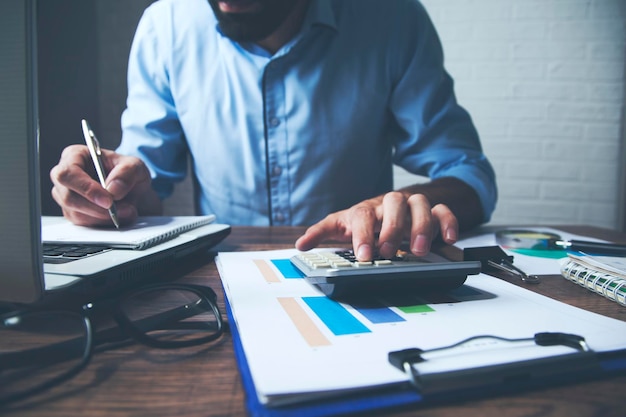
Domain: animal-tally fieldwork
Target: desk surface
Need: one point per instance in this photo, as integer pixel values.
(137, 380)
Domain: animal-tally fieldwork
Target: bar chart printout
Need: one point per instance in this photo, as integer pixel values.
(337, 317)
(275, 311)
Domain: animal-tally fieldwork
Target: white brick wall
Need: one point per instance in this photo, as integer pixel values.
(544, 83)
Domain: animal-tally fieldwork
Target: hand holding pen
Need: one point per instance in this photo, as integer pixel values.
(128, 184)
(96, 156)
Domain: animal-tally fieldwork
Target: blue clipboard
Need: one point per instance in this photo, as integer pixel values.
(404, 395)
(376, 399)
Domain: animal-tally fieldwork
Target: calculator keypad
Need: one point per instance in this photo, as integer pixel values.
(341, 259)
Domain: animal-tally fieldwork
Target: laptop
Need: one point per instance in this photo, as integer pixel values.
(24, 277)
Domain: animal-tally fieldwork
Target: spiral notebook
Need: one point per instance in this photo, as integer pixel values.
(604, 275)
(145, 233)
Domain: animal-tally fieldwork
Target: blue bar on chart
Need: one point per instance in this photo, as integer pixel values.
(335, 316)
(377, 312)
(287, 269)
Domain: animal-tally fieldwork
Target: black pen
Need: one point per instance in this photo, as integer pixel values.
(96, 156)
(598, 248)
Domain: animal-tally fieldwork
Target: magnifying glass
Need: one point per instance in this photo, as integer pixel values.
(547, 241)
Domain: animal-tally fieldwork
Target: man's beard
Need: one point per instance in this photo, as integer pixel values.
(253, 26)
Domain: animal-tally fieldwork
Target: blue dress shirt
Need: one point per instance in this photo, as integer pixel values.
(286, 139)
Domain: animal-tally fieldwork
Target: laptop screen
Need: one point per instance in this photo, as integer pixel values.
(21, 274)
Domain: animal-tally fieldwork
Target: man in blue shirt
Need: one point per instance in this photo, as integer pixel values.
(293, 112)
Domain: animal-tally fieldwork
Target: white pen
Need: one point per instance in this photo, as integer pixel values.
(96, 156)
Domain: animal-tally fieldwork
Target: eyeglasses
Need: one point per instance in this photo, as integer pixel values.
(42, 348)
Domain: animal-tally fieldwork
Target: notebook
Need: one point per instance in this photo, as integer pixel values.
(24, 278)
(158, 250)
(604, 275)
(144, 233)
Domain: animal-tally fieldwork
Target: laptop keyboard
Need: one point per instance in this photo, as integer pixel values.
(58, 254)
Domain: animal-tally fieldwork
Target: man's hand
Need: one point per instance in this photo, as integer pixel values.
(85, 202)
(419, 213)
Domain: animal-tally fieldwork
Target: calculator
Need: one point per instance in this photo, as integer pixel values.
(338, 274)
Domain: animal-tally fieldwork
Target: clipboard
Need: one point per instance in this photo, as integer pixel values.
(508, 377)
(393, 397)
(251, 300)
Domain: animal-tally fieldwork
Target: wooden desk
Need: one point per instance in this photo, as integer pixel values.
(137, 380)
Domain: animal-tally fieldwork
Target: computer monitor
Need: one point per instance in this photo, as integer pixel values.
(21, 272)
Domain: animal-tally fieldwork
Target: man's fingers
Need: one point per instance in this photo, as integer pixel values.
(421, 224)
(358, 224)
(326, 229)
(363, 224)
(72, 182)
(83, 199)
(393, 224)
(126, 175)
(72, 202)
(388, 216)
(448, 223)
(313, 236)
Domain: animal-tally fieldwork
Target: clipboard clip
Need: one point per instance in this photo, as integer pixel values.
(493, 257)
(524, 372)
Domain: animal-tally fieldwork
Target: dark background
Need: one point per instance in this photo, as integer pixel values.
(83, 50)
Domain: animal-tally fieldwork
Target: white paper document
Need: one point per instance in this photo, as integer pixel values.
(301, 345)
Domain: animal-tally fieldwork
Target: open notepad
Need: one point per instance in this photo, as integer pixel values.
(145, 233)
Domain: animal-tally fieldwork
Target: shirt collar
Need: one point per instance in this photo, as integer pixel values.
(320, 13)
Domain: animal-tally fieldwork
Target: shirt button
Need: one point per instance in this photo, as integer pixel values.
(277, 171)
(279, 217)
(274, 121)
